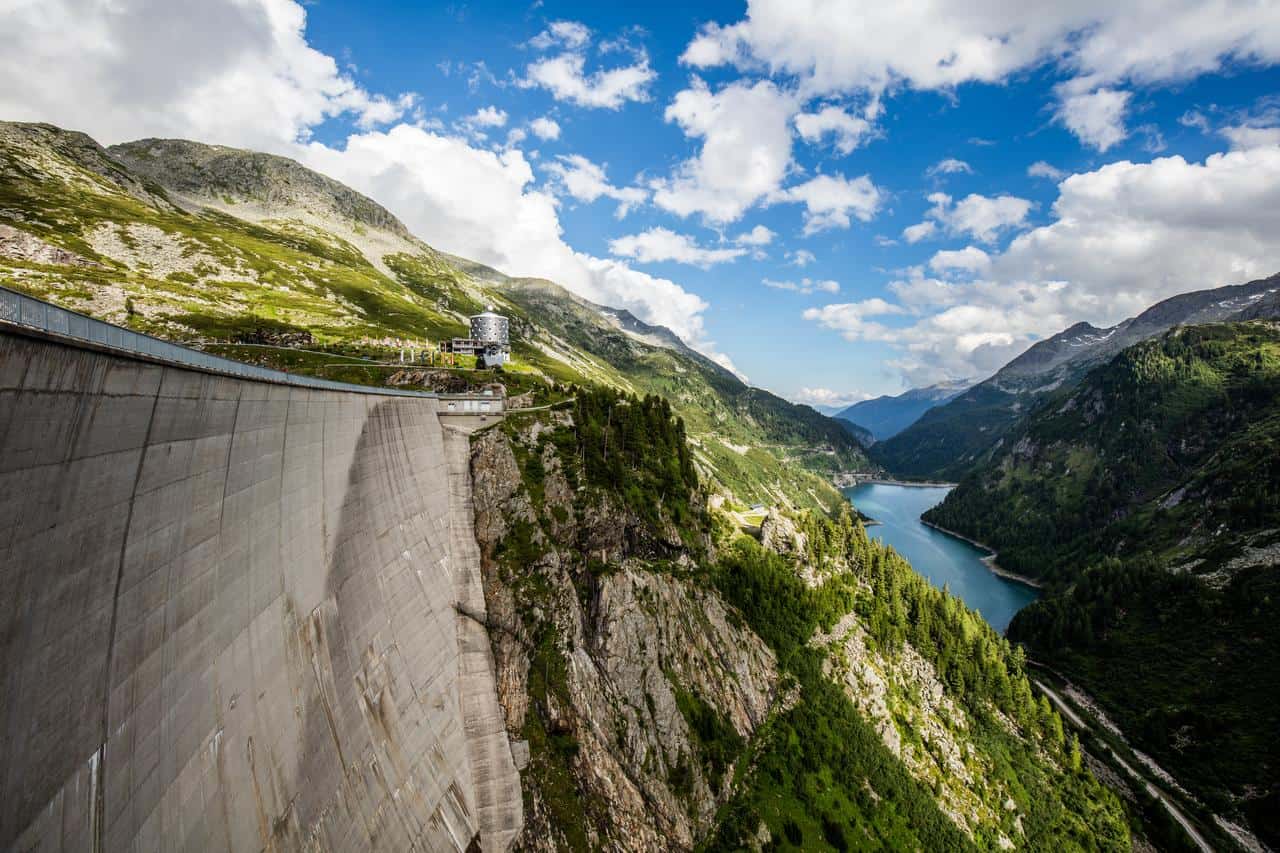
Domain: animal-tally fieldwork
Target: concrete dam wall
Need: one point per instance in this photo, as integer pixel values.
(237, 615)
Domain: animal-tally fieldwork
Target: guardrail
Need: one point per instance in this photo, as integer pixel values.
(21, 310)
(471, 404)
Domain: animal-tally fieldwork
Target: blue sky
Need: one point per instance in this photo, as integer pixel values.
(837, 198)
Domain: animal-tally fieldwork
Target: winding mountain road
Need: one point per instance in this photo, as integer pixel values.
(1175, 812)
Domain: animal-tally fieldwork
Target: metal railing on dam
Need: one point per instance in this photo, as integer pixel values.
(18, 309)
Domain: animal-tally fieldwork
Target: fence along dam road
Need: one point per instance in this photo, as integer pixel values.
(232, 610)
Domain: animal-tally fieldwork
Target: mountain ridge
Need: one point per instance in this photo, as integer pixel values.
(651, 652)
(889, 414)
(1147, 498)
(948, 440)
(209, 175)
(220, 245)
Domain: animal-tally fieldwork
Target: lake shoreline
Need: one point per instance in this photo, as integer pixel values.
(879, 481)
(990, 560)
(947, 561)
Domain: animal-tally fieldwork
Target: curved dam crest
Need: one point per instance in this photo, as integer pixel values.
(233, 616)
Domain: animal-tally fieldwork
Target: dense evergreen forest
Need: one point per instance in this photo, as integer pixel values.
(1149, 499)
(636, 447)
(812, 781)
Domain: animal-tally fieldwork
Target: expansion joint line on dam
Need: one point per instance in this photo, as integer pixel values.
(97, 829)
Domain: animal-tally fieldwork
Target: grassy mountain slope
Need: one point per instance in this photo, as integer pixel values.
(197, 242)
(1148, 498)
(951, 439)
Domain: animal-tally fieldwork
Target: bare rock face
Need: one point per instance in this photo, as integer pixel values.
(778, 533)
(27, 247)
(197, 170)
(602, 654)
(495, 480)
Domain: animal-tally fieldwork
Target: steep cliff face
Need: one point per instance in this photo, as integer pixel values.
(670, 683)
(633, 687)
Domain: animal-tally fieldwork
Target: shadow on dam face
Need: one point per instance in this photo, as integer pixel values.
(231, 623)
(394, 755)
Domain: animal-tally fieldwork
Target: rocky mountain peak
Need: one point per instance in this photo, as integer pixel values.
(217, 176)
(41, 145)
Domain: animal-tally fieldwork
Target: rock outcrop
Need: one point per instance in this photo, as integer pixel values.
(616, 668)
(778, 533)
(21, 246)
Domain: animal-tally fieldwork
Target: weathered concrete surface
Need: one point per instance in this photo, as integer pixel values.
(495, 780)
(229, 618)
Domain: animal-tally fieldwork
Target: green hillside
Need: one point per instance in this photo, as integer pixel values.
(203, 243)
(959, 435)
(1148, 498)
(902, 720)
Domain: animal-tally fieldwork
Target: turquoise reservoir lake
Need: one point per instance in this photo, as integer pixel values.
(940, 557)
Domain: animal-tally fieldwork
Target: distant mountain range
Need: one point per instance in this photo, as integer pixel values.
(949, 439)
(886, 416)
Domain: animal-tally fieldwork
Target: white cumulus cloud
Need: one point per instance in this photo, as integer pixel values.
(238, 73)
(1097, 118)
(571, 34)
(970, 259)
(545, 128)
(1120, 239)
(758, 236)
(919, 231)
(847, 131)
(838, 47)
(586, 181)
(1041, 169)
(979, 216)
(1251, 136)
(851, 318)
(950, 166)
(565, 74)
(663, 244)
(745, 153)
(488, 117)
(831, 201)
